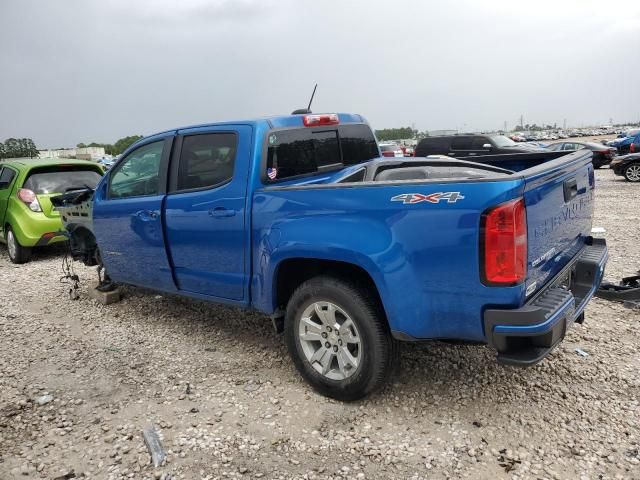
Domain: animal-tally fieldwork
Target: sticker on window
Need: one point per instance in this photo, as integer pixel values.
(272, 173)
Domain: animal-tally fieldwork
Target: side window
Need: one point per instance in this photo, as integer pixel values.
(206, 160)
(461, 143)
(478, 143)
(6, 177)
(138, 174)
(570, 146)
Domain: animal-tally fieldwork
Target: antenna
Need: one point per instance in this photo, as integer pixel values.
(312, 95)
(302, 111)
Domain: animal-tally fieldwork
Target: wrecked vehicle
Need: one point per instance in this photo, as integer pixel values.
(298, 217)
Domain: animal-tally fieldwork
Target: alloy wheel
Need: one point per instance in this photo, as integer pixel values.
(11, 244)
(633, 173)
(330, 340)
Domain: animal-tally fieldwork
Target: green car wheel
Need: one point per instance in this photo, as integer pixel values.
(17, 253)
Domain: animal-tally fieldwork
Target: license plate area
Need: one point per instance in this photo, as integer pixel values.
(565, 280)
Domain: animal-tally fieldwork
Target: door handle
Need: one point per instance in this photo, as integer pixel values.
(221, 212)
(147, 214)
(570, 189)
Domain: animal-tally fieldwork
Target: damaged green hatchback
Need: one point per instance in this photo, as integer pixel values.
(27, 217)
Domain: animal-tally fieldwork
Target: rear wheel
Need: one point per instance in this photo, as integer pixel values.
(338, 338)
(632, 172)
(17, 253)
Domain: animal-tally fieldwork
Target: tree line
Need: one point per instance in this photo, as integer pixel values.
(116, 148)
(18, 148)
(396, 133)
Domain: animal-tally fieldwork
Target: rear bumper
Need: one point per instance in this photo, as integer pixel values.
(36, 230)
(526, 335)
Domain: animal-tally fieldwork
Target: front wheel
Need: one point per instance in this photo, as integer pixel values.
(17, 253)
(338, 338)
(632, 172)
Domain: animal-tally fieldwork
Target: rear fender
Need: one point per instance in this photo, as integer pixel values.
(268, 293)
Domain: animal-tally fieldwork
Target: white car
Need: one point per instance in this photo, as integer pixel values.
(391, 150)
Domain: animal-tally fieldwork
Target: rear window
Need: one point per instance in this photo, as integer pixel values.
(55, 180)
(389, 148)
(304, 151)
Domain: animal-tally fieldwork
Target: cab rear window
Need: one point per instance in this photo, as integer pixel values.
(60, 180)
(303, 151)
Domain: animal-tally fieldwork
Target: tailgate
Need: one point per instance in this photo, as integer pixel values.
(559, 201)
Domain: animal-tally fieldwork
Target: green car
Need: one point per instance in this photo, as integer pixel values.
(26, 186)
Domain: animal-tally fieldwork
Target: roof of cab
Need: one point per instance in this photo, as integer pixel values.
(276, 121)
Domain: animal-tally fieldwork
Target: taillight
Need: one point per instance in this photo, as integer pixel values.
(632, 148)
(388, 154)
(503, 246)
(29, 197)
(317, 120)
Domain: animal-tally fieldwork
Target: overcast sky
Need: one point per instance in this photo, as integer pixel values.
(92, 70)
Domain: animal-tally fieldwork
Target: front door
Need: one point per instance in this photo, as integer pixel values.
(127, 213)
(7, 175)
(205, 211)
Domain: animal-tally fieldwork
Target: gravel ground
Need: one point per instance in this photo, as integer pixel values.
(79, 382)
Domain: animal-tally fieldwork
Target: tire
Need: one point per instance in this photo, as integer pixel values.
(17, 253)
(363, 333)
(632, 172)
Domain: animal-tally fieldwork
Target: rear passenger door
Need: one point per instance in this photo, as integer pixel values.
(461, 146)
(478, 146)
(206, 211)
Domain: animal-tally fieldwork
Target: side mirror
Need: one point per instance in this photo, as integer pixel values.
(487, 146)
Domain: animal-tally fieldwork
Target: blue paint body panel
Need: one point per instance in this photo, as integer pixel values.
(424, 258)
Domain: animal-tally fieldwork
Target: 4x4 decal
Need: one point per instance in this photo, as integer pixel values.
(411, 198)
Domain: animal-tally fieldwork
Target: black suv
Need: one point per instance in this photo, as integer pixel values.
(471, 145)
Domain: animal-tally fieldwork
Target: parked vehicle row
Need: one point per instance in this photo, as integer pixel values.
(602, 155)
(627, 166)
(628, 142)
(461, 146)
(300, 217)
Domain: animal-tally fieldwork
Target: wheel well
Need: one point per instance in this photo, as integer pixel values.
(293, 272)
(83, 244)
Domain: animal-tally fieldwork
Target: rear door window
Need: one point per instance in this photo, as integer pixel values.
(61, 179)
(6, 177)
(479, 142)
(461, 143)
(206, 160)
(291, 153)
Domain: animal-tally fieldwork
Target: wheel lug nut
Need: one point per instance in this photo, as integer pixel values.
(328, 329)
(327, 345)
(324, 334)
(339, 342)
(335, 348)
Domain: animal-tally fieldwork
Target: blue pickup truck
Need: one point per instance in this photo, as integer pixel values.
(350, 253)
